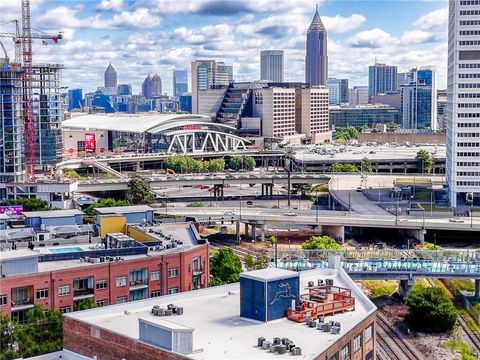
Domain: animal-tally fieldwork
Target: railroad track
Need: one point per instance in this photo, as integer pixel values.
(237, 250)
(395, 346)
(471, 336)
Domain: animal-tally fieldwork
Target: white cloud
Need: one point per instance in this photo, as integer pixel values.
(110, 5)
(420, 37)
(437, 19)
(374, 38)
(340, 24)
(63, 17)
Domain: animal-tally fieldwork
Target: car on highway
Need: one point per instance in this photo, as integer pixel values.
(290, 213)
(230, 213)
(359, 189)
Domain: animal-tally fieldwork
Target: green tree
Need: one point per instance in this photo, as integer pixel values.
(139, 190)
(84, 304)
(71, 173)
(225, 267)
(321, 243)
(42, 333)
(366, 166)
(214, 165)
(424, 161)
(343, 168)
(392, 126)
(257, 262)
(31, 204)
(430, 309)
(242, 163)
(107, 202)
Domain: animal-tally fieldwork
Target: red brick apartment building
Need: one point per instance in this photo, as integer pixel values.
(62, 277)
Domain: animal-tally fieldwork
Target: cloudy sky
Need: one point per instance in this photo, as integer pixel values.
(157, 36)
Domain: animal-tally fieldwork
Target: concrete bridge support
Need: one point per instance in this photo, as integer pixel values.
(335, 231)
(477, 288)
(405, 287)
(218, 191)
(267, 190)
(417, 234)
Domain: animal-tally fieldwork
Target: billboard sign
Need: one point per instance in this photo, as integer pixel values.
(11, 209)
(89, 142)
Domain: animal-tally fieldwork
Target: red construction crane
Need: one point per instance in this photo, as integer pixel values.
(23, 41)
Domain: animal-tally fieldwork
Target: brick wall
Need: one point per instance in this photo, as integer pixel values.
(91, 341)
(110, 271)
(348, 339)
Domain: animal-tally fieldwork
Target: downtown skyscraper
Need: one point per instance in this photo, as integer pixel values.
(316, 60)
(463, 103)
(382, 79)
(271, 65)
(180, 82)
(110, 78)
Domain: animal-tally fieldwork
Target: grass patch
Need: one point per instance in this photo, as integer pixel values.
(463, 284)
(458, 346)
(428, 208)
(381, 288)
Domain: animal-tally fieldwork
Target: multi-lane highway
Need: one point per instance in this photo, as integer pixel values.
(329, 218)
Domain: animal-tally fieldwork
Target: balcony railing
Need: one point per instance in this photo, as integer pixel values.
(21, 302)
(138, 282)
(82, 292)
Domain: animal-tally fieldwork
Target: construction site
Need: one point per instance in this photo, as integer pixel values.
(31, 110)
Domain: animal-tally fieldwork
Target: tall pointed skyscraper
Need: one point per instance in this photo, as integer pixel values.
(110, 77)
(316, 61)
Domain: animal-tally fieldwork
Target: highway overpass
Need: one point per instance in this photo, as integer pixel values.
(162, 181)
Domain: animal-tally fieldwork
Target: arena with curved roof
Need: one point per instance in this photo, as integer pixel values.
(170, 133)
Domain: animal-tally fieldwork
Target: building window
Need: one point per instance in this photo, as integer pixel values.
(345, 353)
(156, 293)
(42, 294)
(121, 281)
(172, 272)
(173, 290)
(333, 357)
(357, 343)
(155, 275)
(101, 284)
(3, 300)
(101, 303)
(65, 309)
(64, 290)
(121, 299)
(368, 333)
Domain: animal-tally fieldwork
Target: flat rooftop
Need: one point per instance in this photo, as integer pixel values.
(124, 209)
(52, 213)
(165, 232)
(384, 152)
(219, 331)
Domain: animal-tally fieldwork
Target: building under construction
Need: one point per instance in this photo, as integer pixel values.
(12, 141)
(48, 114)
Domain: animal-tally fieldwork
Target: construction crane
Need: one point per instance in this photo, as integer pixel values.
(23, 45)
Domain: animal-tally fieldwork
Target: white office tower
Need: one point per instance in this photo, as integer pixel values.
(463, 102)
(271, 65)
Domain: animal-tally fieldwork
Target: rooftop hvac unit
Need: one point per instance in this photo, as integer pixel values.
(296, 351)
(168, 312)
(276, 340)
(273, 348)
(260, 341)
(310, 284)
(285, 341)
(179, 310)
(281, 349)
(320, 282)
(290, 346)
(312, 324)
(266, 345)
(335, 330)
(329, 282)
(327, 327)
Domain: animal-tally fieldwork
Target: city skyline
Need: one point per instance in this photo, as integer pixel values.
(158, 36)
